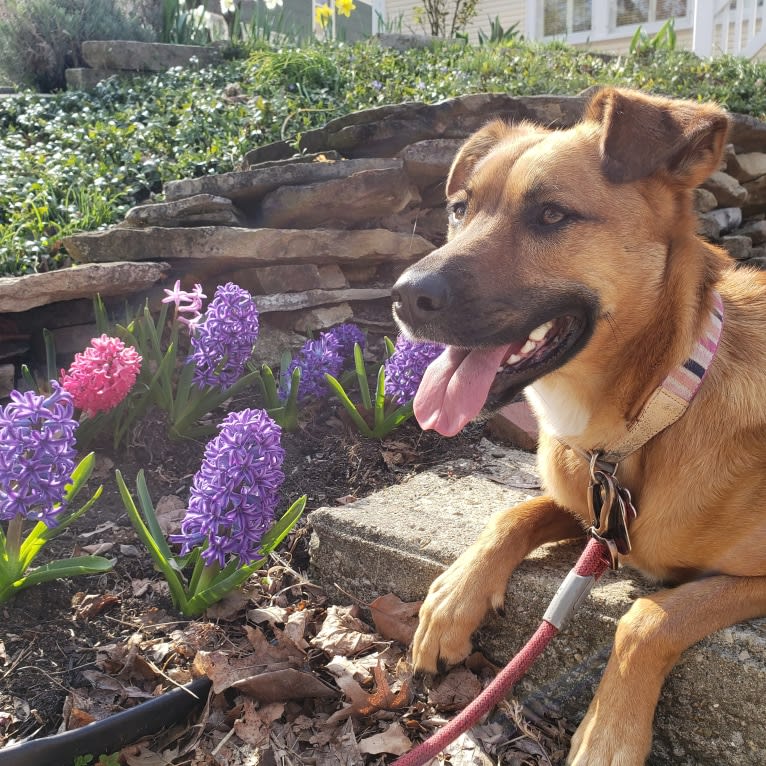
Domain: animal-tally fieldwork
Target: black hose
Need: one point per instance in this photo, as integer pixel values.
(110, 734)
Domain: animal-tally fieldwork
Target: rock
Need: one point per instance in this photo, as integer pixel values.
(331, 277)
(323, 318)
(272, 343)
(430, 224)
(87, 79)
(402, 42)
(755, 230)
(73, 339)
(756, 190)
(429, 161)
(704, 201)
(208, 247)
(144, 57)
(199, 210)
(304, 276)
(310, 298)
(248, 187)
(361, 197)
(385, 130)
(22, 293)
(738, 247)
(725, 218)
(727, 190)
(7, 379)
(748, 134)
(748, 166)
(329, 156)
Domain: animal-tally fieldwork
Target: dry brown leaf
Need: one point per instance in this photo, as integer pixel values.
(89, 605)
(170, 511)
(140, 586)
(97, 549)
(343, 632)
(229, 607)
(223, 669)
(266, 652)
(393, 740)
(273, 615)
(295, 628)
(346, 676)
(109, 683)
(395, 619)
(458, 688)
(254, 725)
(284, 684)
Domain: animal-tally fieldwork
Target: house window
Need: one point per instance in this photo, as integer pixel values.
(562, 17)
(647, 11)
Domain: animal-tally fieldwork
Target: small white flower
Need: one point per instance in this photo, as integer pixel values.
(228, 6)
(272, 4)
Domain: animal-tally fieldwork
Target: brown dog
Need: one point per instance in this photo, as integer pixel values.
(574, 271)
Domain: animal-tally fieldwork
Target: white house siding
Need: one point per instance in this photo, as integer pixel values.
(508, 11)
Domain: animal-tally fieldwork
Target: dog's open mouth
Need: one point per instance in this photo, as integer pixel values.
(463, 381)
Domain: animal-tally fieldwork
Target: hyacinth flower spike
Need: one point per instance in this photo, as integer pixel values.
(230, 526)
(302, 379)
(221, 342)
(38, 483)
(396, 384)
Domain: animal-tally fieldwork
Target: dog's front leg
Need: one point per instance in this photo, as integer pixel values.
(460, 597)
(617, 729)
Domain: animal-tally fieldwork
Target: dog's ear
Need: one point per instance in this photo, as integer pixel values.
(642, 134)
(479, 145)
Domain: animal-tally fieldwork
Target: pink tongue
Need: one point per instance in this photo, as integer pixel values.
(455, 387)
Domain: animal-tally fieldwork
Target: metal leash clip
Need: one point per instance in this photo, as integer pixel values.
(611, 508)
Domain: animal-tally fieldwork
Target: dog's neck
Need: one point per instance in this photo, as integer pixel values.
(592, 421)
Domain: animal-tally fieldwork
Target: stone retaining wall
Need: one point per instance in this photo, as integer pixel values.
(320, 238)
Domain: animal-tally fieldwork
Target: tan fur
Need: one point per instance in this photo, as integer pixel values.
(700, 485)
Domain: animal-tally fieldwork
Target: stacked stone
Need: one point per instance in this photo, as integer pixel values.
(319, 235)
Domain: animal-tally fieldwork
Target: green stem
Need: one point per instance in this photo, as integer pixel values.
(13, 538)
(209, 573)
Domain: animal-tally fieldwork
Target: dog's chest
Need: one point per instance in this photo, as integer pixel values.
(558, 409)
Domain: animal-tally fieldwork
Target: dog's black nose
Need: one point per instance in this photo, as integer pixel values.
(418, 298)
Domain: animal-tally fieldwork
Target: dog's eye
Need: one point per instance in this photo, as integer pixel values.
(457, 211)
(550, 215)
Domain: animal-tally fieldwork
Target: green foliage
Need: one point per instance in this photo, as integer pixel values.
(643, 44)
(499, 35)
(284, 412)
(42, 38)
(78, 161)
(194, 586)
(104, 759)
(182, 25)
(375, 416)
(18, 552)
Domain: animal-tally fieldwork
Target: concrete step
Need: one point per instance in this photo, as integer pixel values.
(711, 711)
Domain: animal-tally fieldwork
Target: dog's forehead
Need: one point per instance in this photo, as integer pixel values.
(559, 158)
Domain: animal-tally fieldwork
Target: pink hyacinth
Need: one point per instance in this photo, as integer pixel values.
(100, 377)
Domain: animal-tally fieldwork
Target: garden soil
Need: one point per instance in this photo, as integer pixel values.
(78, 650)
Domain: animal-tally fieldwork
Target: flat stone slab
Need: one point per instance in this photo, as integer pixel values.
(137, 56)
(399, 539)
(242, 247)
(106, 279)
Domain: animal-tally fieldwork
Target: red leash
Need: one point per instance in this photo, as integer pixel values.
(593, 562)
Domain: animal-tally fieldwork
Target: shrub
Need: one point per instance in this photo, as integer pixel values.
(40, 39)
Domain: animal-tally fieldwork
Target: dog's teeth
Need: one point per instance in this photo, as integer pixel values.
(500, 369)
(513, 358)
(530, 345)
(540, 332)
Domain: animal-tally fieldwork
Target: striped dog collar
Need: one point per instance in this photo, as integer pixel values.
(670, 400)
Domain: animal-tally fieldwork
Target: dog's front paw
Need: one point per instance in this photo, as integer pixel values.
(610, 738)
(454, 608)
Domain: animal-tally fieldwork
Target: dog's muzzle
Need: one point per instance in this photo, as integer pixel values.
(419, 298)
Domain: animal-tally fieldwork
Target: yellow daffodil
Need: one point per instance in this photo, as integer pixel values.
(345, 7)
(322, 15)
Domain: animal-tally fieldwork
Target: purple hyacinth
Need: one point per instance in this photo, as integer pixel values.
(325, 355)
(234, 494)
(223, 340)
(347, 335)
(406, 367)
(37, 454)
